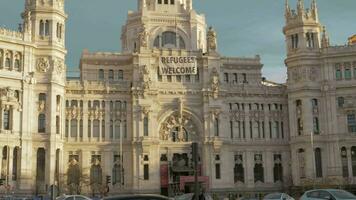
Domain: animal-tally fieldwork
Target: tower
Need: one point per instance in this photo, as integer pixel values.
(302, 29)
(44, 29)
(170, 24)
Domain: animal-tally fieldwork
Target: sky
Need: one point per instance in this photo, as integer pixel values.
(245, 28)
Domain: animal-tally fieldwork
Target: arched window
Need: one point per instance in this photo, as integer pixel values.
(301, 161)
(41, 123)
(124, 129)
(41, 165)
(239, 175)
(15, 163)
(120, 75)
(353, 160)
(278, 169)
(117, 105)
(258, 169)
(111, 74)
(318, 163)
(344, 163)
(169, 39)
(73, 128)
(17, 64)
(116, 171)
(7, 62)
(95, 171)
(340, 102)
(73, 172)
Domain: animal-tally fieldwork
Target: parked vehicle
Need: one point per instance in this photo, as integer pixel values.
(72, 197)
(278, 196)
(137, 197)
(189, 196)
(328, 194)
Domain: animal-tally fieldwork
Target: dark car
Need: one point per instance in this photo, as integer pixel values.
(137, 197)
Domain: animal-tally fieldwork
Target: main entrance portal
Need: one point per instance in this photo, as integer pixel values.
(177, 132)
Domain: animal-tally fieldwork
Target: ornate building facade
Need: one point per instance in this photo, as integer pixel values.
(129, 120)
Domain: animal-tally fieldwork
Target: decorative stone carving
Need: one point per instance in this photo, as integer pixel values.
(7, 94)
(42, 65)
(29, 78)
(143, 37)
(215, 83)
(58, 66)
(145, 77)
(184, 125)
(211, 38)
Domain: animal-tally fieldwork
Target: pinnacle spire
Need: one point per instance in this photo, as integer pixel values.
(300, 6)
(325, 42)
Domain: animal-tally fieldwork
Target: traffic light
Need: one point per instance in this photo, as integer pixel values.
(2, 182)
(108, 180)
(195, 152)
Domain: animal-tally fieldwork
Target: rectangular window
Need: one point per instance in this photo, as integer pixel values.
(159, 1)
(244, 77)
(67, 128)
(235, 78)
(310, 40)
(165, 1)
(270, 129)
(226, 77)
(120, 75)
(216, 127)
(351, 123)
(239, 128)
(231, 129)
(295, 41)
(340, 102)
(146, 171)
(197, 76)
(187, 78)
(42, 97)
(217, 171)
(89, 128)
(251, 130)
(282, 130)
(354, 72)
(263, 129)
(101, 74)
(243, 129)
(300, 126)
(316, 125)
(169, 78)
(276, 126)
(111, 74)
(172, 2)
(348, 74)
(57, 124)
(145, 126)
(6, 119)
(179, 78)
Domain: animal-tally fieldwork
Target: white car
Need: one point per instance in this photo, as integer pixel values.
(278, 196)
(72, 197)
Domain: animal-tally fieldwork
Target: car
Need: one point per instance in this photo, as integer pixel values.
(137, 197)
(328, 194)
(278, 196)
(189, 196)
(73, 197)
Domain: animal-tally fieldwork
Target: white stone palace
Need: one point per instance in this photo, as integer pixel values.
(133, 115)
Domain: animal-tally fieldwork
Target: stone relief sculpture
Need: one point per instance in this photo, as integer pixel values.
(212, 39)
(58, 66)
(181, 124)
(143, 37)
(215, 83)
(42, 65)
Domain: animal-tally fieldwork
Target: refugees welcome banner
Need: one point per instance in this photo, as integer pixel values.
(178, 65)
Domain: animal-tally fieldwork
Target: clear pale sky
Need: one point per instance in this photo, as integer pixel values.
(245, 27)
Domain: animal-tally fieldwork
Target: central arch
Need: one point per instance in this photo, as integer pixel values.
(180, 127)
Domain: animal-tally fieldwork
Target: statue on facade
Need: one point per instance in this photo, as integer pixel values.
(215, 83)
(143, 37)
(212, 39)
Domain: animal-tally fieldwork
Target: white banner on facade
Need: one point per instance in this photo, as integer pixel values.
(176, 65)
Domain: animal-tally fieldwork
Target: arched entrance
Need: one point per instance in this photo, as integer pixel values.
(178, 130)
